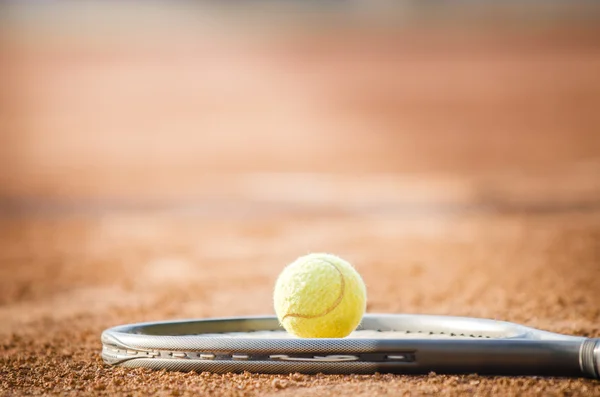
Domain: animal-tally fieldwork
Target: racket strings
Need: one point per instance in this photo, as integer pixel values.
(359, 334)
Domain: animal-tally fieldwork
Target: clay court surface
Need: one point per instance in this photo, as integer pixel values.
(144, 179)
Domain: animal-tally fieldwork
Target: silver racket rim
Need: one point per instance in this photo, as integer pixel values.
(442, 343)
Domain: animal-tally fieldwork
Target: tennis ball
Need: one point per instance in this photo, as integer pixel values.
(320, 296)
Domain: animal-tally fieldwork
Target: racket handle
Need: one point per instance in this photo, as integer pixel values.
(589, 357)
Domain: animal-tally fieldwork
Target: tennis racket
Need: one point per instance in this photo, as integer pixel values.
(405, 344)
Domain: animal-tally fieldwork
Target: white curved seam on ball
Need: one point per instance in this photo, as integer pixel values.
(335, 304)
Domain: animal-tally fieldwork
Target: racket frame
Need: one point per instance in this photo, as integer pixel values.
(441, 344)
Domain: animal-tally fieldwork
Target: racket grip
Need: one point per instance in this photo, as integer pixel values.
(589, 357)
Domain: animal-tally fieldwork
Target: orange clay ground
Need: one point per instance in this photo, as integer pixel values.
(138, 183)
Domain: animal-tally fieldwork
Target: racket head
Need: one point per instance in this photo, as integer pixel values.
(382, 343)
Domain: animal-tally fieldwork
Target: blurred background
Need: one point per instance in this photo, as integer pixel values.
(190, 104)
(445, 150)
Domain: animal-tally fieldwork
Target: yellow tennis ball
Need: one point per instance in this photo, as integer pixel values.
(320, 296)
